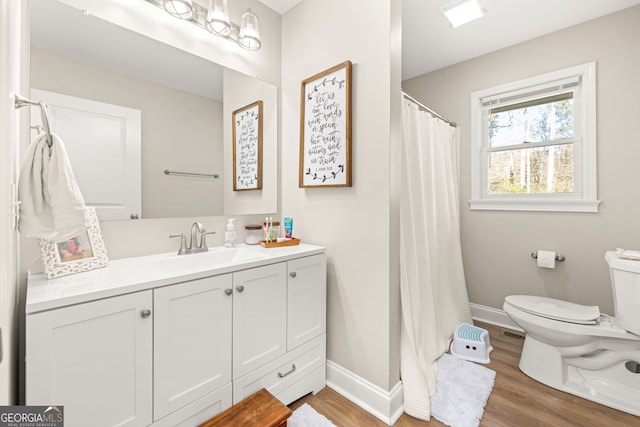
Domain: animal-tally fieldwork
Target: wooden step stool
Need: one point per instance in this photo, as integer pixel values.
(261, 409)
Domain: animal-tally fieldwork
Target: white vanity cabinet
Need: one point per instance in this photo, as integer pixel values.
(302, 367)
(95, 359)
(179, 348)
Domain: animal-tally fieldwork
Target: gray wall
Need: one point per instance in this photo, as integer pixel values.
(497, 245)
(356, 223)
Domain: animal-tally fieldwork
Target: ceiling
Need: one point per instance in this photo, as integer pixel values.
(430, 43)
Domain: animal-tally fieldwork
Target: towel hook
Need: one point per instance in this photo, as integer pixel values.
(21, 101)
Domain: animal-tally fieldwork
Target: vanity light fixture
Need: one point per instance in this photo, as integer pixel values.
(216, 20)
(461, 12)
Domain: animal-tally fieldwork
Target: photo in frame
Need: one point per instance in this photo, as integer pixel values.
(81, 252)
(247, 147)
(325, 128)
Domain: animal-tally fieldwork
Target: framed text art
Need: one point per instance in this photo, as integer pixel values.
(325, 128)
(247, 147)
(83, 251)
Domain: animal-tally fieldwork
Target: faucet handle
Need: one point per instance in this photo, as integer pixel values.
(203, 239)
(183, 243)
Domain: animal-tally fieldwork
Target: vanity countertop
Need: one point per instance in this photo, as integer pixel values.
(146, 272)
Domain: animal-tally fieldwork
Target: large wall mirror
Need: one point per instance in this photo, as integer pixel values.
(183, 103)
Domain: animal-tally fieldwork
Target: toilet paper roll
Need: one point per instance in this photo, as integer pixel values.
(546, 259)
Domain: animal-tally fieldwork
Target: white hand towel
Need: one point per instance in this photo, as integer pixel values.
(51, 205)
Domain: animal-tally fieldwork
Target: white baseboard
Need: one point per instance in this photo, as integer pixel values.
(493, 316)
(384, 405)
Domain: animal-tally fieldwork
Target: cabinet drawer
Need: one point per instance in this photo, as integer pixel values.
(279, 374)
(199, 411)
(312, 382)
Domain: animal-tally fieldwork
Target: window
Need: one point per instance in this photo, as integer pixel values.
(533, 143)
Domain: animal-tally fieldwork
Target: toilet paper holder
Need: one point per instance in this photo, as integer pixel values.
(559, 257)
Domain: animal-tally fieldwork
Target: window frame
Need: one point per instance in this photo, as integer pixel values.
(584, 196)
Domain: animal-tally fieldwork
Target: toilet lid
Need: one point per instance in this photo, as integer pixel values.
(556, 309)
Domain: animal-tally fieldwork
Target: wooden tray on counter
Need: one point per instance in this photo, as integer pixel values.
(291, 242)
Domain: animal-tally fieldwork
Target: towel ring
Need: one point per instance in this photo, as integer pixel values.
(21, 101)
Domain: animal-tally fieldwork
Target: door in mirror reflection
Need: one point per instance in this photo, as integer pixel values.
(103, 144)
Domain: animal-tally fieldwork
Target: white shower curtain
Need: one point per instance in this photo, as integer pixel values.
(433, 288)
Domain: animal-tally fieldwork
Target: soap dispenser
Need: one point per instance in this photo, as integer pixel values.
(230, 234)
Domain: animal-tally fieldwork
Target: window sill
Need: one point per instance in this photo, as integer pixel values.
(539, 205)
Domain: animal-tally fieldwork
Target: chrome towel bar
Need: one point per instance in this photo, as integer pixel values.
(204, 175)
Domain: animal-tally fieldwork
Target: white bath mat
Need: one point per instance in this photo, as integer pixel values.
(462, 391)
(306, 416)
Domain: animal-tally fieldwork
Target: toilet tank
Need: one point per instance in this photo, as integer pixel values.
(625, 281)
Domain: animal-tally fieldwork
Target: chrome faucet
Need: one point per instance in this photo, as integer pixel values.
(196, 228)
(196, 243)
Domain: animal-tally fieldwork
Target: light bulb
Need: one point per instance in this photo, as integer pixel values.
(249, 37)
(218, 18)
(182, 9)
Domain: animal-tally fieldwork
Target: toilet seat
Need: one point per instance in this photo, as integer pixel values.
(555, 309)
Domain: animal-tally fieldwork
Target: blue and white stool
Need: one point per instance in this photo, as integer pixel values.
(471, 343)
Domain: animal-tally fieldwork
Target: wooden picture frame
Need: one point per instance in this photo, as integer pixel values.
(247, 147)
(84, 251)
(325, 128)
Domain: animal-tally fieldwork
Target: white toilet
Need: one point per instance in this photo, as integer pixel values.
(576, 349)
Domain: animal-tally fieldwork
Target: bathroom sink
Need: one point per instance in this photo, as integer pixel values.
(215, 257)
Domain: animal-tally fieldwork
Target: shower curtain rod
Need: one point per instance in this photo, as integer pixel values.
(429, 110)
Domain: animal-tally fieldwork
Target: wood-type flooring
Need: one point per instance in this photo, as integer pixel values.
(516, 399)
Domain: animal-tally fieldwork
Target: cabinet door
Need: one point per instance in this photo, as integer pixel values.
(306, 299)
(259, 317)
(192, 341)
(95, 359)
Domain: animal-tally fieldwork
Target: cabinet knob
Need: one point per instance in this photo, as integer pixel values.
(228, 291)
(293, 274)
(240, 288)
(145, 313)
